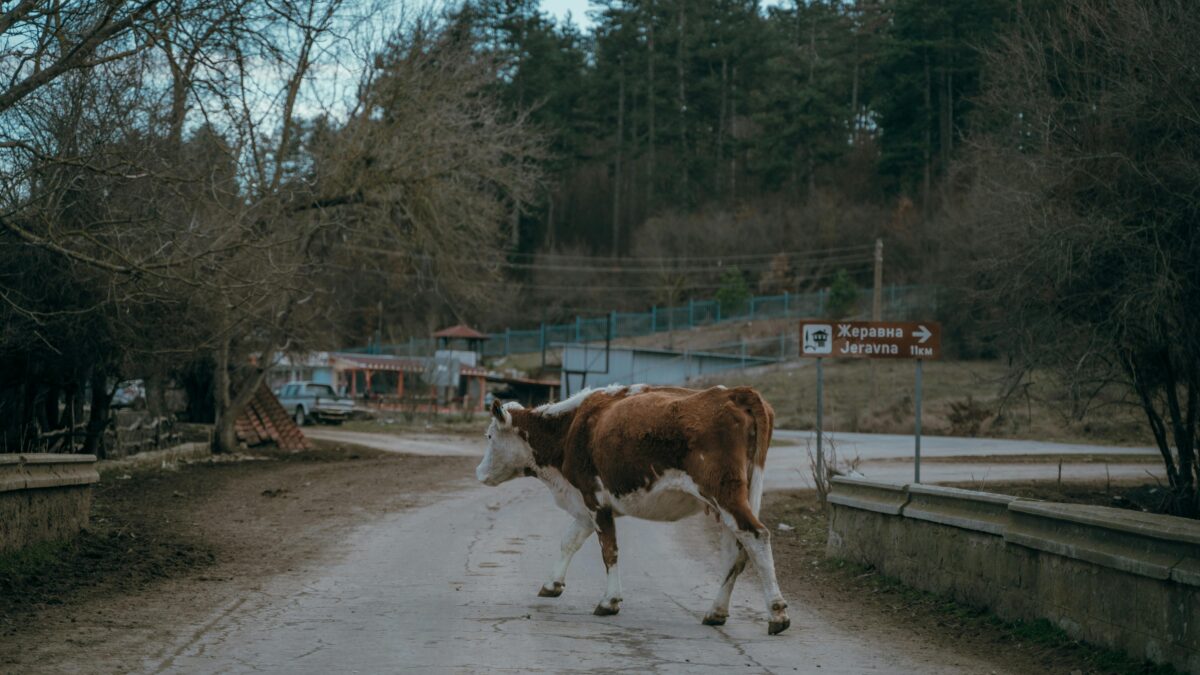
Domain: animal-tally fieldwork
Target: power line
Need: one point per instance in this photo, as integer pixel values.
(614, 267)
(636, 259)
(561, 287)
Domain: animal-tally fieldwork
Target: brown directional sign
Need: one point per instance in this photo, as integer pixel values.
(824, 338)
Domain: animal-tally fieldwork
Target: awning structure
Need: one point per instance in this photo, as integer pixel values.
(344, 361)
(460, 332)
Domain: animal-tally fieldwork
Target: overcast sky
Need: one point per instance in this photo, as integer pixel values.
(560, 8)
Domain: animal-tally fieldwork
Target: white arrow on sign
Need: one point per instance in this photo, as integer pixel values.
(923, 333)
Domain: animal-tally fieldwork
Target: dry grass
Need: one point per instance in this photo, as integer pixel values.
(961, 398)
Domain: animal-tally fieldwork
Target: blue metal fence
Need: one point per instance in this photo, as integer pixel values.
(899, 303)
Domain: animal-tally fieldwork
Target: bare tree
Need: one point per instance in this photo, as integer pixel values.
(206, 216)
(1085, 209)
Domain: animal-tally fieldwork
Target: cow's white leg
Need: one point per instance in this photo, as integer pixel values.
(757, 543)
(756, 539)
(607, 532)
(574, 537)
(733, 561)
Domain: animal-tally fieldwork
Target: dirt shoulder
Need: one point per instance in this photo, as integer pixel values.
(859, 598)
(168, 546)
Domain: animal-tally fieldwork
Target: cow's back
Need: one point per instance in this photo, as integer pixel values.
(630, 441)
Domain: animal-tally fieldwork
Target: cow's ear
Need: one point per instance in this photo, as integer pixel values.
(502, 416)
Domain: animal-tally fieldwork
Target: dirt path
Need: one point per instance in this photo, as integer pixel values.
(203, 539)
(377, 562)
(452, 587)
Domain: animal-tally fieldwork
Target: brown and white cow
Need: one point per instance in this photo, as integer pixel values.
(659, 453)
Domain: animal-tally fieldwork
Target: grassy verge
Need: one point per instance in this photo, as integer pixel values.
(960, 398)
(805, 572)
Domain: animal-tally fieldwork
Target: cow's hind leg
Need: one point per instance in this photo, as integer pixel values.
(607, 532)
(755, 538)
(733, 561)
(572, 539)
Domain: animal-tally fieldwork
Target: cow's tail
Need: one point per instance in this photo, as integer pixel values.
(764, 422)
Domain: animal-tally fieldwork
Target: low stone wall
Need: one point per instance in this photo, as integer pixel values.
(160, 458)
(44, 497)
(1121, 579)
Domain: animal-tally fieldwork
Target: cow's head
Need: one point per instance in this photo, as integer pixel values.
(508, 455)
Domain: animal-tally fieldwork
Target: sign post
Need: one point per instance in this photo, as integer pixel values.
(917, 428)
(820, 418)
(821, 338)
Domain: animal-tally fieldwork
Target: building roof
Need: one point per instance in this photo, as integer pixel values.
(462, 331)
(509, 379)
(394, 363)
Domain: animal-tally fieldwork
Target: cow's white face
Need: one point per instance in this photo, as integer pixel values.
(508, 454)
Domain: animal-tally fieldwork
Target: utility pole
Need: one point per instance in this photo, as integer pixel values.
(877, 308)
(877, 305)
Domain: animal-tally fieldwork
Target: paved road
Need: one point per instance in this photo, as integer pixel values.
(451, 588)
(882, 457)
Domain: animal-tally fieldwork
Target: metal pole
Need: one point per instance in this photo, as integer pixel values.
(877, 298)
(821, 419)
(917, 454)
(542, 339)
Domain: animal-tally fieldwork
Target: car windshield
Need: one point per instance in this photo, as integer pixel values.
(321, 390)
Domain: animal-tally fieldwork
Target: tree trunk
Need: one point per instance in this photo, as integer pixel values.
(854, 92)
(650, 104)
(616, 214)
(733, 137)
(93, 440)
(928, 178)
(721, 124)
(683, 126)
(224, 431)
(229, 404)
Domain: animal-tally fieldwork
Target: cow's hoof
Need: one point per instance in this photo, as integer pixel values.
(777, 627)
(554, 592)
(714, 619)
(604, 610)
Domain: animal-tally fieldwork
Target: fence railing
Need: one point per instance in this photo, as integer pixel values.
(899, 303)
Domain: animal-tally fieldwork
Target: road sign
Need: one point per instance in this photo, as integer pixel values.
(870, 339)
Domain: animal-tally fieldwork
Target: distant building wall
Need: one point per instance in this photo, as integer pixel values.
(587, 366)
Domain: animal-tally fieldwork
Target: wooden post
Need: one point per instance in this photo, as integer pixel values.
(482, 391)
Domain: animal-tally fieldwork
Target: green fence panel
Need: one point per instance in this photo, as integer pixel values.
(899, 303)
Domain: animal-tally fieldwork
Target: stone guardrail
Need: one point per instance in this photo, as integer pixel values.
(1122, 579)
(44, 497)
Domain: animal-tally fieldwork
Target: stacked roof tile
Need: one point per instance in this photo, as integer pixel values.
(265, 421)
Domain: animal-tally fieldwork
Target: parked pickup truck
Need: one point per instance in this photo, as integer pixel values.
(311, 402)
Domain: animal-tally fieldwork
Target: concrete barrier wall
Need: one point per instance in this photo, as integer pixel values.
(44, 497)
(1121, 579)
(160, 458)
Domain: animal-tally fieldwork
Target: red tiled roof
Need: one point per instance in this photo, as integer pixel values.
(265, 421)
(462, 331)
(394, 363)
(523, 380)
(379, 362)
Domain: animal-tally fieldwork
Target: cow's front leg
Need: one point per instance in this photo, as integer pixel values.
(606, 530)
(574, 536)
